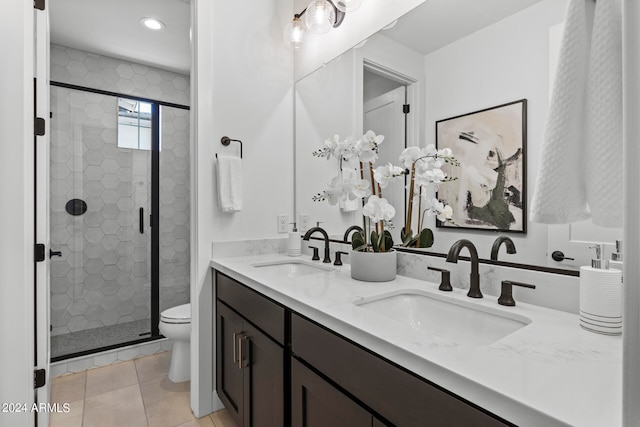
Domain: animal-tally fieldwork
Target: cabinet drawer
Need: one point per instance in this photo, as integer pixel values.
(265, 314)
(400, 397)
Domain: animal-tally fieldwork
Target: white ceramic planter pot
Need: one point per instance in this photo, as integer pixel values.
(373, 266)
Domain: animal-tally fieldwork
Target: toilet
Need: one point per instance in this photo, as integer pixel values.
(175, 324)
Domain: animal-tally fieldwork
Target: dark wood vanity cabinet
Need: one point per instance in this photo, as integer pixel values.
(316, 402)
(395, 395)
(276, 368)
(250, 357)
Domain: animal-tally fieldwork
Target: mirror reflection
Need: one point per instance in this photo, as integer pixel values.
(489, 58)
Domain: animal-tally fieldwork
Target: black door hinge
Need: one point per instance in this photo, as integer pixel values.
(38, 4)
(38, 126)
(39, 252)
(406, 108)
(39, 378)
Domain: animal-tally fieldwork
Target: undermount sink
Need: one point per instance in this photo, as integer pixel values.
(294, 267)
(459, 321)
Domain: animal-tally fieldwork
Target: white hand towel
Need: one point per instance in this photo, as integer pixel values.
(604, 117)
(230, 183)
(580, 176)
(560, 193)
(353, 204)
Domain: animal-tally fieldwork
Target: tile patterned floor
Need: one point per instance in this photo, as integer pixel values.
(134, 393)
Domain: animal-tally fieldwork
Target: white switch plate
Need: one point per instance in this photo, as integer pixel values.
(283, 223)
(303, 223)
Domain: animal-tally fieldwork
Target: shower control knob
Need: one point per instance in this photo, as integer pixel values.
(559, 256)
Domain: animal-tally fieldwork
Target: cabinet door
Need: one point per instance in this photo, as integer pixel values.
(229, 376)
(263, 362)
(316, 403)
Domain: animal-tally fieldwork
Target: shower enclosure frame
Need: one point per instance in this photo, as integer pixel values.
(154, 216)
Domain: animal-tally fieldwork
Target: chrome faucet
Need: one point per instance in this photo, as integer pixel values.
(511, 248)
(452, 256)
(349, 230)
(326, 241)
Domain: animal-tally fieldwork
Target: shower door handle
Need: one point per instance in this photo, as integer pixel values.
(141, 220)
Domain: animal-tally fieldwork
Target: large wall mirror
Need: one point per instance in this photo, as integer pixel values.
(444, 59)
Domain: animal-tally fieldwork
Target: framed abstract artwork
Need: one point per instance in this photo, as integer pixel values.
(490, 190)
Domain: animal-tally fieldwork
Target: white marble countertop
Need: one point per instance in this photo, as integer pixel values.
(549, 373)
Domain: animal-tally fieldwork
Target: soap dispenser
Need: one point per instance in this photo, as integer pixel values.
(616, 257)
(294, 244)
(601, 296)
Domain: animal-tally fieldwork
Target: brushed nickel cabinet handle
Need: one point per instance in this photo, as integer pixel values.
(241, 363)
(235, 346)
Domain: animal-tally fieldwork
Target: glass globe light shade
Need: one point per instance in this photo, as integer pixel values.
(348, 5)
(320, 16)
(294, 34)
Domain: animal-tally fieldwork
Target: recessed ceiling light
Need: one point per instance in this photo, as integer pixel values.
(152, 24)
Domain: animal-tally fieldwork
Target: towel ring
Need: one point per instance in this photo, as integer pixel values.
(225, 140)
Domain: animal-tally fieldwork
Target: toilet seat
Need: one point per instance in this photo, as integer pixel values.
(179, 314)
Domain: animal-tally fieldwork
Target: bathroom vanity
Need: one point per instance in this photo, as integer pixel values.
(298, 343)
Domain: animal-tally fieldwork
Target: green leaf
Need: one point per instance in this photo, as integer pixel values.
(357, 240)
(425, 239)
(360, 248)
(388, 240)
(407, 239)
(374, 241)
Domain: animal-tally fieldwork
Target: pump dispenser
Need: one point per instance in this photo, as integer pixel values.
(616, 257)
(599, 262)
(294, 244)
(601, 296)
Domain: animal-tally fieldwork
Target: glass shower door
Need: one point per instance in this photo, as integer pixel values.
(100, 204)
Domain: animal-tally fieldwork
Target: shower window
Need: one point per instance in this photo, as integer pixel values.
(134, 124)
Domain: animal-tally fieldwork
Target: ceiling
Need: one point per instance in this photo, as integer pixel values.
(437, 23)
(112, 28)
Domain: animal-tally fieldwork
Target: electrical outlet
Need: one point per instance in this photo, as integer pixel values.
(303, 222)
(283, 223)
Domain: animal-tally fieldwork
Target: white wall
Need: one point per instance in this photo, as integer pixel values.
(319, 49)
(16, 216)
(244, 78)
(504, 62)
(631, 155)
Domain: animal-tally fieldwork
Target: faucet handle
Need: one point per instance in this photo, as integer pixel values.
(506, 298)
(338, 260)
(445, 279)
(316, 256)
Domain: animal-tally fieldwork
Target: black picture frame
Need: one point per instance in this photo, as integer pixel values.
(490, 192)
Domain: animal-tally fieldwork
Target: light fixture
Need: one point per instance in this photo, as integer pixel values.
(348, 5)
(152, 23)
(319, 17)
(294, 33)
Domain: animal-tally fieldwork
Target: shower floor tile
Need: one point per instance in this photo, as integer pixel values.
(90, 339)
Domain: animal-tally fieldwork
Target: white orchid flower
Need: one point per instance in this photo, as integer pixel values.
(367, 148)
(445, 152)
(335, 191)
(434, 175)
(358, 188)
(332, 143)
(440, 210)
(378, 209)
(383, 175)
(372, 139)
(409, 155)
(446, 214)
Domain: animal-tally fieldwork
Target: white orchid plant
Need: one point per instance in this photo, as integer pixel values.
(423, 165)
